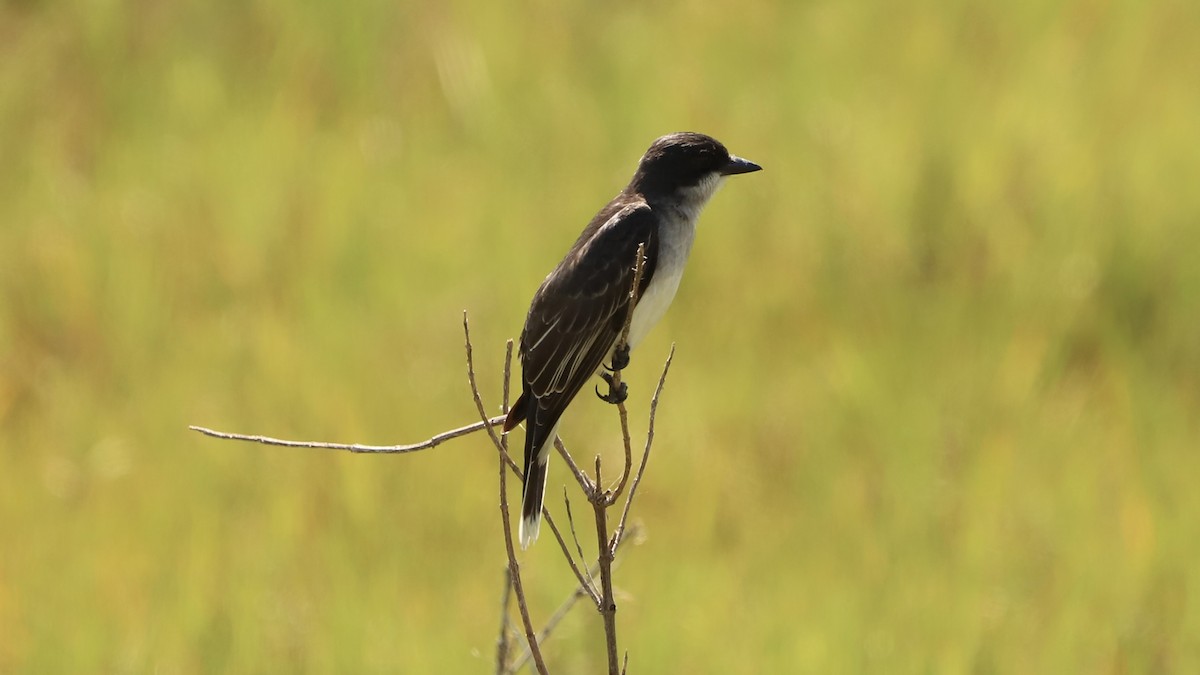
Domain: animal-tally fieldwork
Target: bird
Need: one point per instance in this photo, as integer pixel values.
(578, 313)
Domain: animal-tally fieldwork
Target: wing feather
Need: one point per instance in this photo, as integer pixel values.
(577, 314)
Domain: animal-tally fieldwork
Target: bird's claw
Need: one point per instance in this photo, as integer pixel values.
(616, 394)
(620, 358)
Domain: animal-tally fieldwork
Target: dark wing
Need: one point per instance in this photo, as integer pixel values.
(579, 311)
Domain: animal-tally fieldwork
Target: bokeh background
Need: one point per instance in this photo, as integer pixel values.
(935, 402)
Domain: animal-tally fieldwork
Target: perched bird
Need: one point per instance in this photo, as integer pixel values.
(579, 311)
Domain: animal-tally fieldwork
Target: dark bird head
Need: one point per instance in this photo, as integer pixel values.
(687, 164)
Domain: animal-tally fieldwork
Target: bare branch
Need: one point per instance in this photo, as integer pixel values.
(354, 447)
(599, 478)
(637, 480)
(483, 416)
(502, 641)
(505, 625)
(513, 566)
(615, 493)
(638, 268)
(580, 476)
(608, 605)
(600, 499)
(569, 603)
(575, 566)
(586, 580)
(505, 382)
(579, 572)
(580, 575)
(639, 265)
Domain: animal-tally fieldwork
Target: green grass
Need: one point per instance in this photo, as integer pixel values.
(934, 407)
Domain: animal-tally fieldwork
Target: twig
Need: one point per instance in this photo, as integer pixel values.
(580, 574)
(355, 447)
(638, 267)
(502, 641)
(588, 585)
(608, 606)
(505, 625)
(615, 493)
(600, 498)
(504, 389)
(562, 544)
(637, 479)
(568, 604)
(580, 476)
(513, 567)
(424, 445)
(483, 416)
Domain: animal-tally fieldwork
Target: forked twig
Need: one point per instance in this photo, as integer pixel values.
(600, 498)
(566, 606)
(637, 479)
(513, 566)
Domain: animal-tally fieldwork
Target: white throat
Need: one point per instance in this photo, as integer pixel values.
(692, 199)
(677, 231)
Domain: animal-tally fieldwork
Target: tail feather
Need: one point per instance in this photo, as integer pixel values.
(517, 413)
(539, 440)
(531, 502)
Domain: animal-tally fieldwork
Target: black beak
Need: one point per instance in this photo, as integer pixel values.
(739, 165)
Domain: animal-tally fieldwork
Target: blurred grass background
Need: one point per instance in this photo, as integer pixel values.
(934, 407)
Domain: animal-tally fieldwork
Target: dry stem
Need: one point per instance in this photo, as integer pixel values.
(599, 497)
(513, 566)
(355, 447)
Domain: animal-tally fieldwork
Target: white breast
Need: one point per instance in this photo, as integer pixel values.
(676, 234)
(672, 255)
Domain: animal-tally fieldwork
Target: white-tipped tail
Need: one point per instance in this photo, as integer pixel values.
(533, 494)
(528, 531)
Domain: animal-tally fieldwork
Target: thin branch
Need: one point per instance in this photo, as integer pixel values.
(562, 543)
(569, 603)
(600, 498)
(580, 575)
(504, 391)
(513, 566)
(580, 476)
(638, 268)
(502, 641)
(549, 519)
(615, 493)
(483, 416)
(599, 479)
(587, 581)
(355, 447)
(637, 479)
(546, 515)
(608, 606)
(505, 624)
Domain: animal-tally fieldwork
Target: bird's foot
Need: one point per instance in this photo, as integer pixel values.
(620, 358)
(616, 394)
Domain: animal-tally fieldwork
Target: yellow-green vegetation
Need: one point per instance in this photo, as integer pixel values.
(936, 401)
